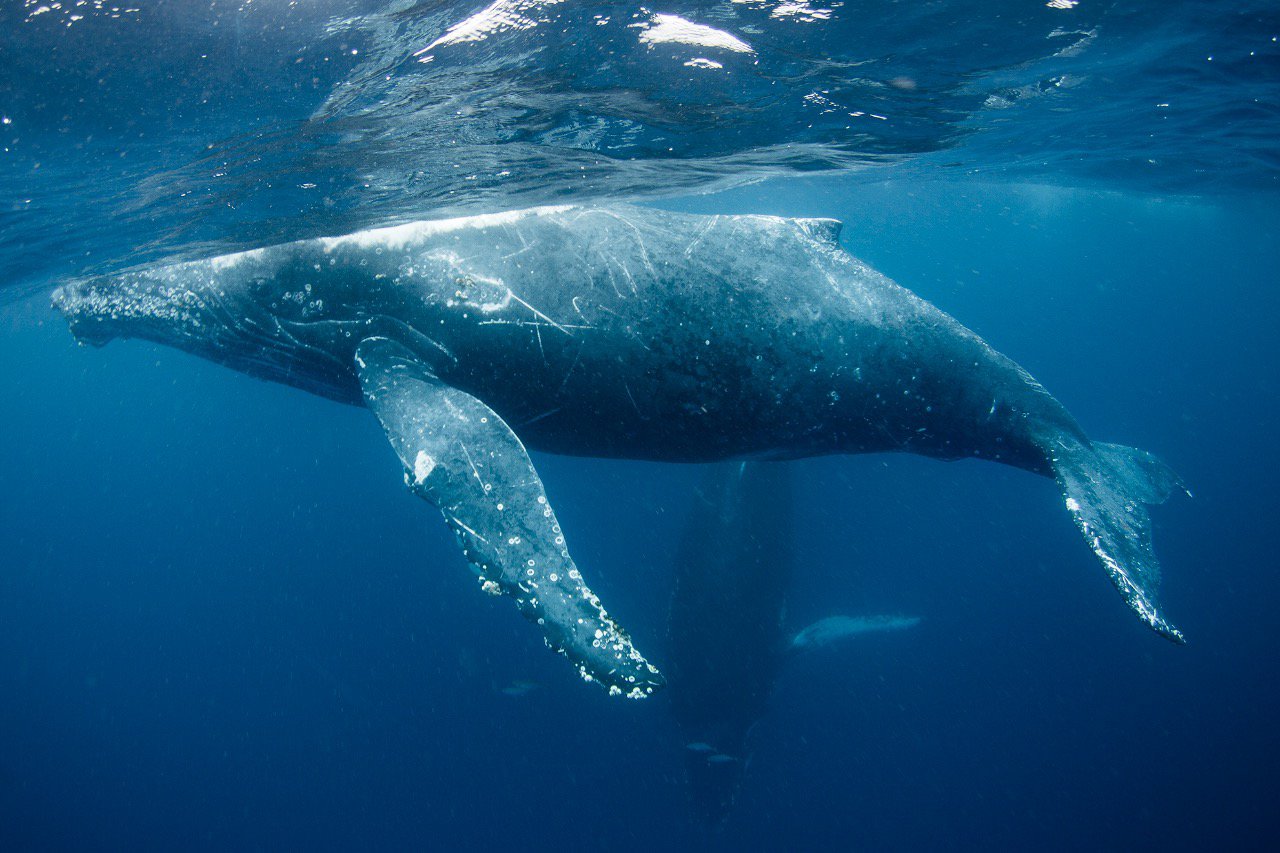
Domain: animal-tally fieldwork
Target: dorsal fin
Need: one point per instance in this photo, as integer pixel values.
(822, 230)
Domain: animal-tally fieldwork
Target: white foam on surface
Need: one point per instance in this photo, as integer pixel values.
(672, 29)
(498, 17)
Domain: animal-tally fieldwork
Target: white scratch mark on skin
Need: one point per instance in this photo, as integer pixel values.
(613, 282)
(474, 469)
(456, 412)
(533, 420)
(608, 310)
(644, 250)
(569, 373)
(531, 324)
(632, 399)
(458, 522)
(538, 313)
(537, 329)
(638, 338)
(523, 248)
(631, 280)
(698, 238)
(608, 268)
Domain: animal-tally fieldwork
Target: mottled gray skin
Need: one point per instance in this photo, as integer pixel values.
(622, 332)
(639, 333)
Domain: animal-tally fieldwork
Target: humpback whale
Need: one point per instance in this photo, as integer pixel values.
(727, 632)
(622, 332)
(725, 635)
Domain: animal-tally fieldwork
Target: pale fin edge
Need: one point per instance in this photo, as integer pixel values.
(1106, 488)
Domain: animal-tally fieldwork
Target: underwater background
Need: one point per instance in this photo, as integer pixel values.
(224, 623)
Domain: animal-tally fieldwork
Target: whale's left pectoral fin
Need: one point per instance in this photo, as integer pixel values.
(462, 457)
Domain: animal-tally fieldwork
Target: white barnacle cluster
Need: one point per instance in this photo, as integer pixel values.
(168, 296)
(484, 294)
(423, 465)
(303, 300)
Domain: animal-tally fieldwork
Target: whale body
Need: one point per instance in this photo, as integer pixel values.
(621, 332)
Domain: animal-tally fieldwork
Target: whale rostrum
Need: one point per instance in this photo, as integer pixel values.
(621, 332)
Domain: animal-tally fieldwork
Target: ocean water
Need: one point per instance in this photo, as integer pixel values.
(224, 623)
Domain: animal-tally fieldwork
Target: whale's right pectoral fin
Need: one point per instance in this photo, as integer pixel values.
(463, 458)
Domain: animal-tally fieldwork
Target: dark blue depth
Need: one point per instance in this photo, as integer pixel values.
(224, 624)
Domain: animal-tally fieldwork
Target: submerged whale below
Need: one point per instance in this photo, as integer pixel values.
(622, 332)
(728, 634)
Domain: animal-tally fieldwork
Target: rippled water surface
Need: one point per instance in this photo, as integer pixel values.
(163, 127)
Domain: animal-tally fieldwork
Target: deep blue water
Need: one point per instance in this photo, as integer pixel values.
(224, 624)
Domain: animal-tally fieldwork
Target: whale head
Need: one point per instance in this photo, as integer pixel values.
(140, 304)
(208, 309)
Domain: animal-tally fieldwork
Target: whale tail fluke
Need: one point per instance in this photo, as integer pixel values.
(1107, 488)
